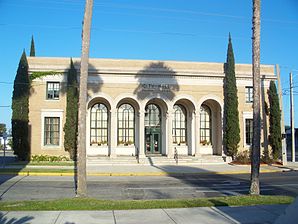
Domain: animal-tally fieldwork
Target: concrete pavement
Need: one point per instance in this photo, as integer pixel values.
(144, 170)
(245, 214)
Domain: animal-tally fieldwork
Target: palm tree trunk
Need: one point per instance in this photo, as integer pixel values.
(255, 154)
(81, 157)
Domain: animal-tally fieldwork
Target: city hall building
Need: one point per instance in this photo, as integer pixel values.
(150, 108)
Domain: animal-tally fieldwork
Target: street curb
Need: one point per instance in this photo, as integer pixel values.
(29, 173)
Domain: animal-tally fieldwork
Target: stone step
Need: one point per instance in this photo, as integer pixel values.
(154, 160)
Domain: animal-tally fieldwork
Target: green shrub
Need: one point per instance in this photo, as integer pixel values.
(48, 158)
(243, 157)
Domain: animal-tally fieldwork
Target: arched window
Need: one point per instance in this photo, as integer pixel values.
(126, 124)
(179, 125)
(99, 124)
(205, 124)
(152, 116)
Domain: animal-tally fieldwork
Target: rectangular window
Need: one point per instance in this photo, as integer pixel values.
(249, 94)
(53, 89)
(248, 131)
(51, 130)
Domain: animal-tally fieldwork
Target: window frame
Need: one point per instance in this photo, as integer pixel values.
(126, 128)
(152, 113)
(181, 138)
(52, 92)
(50, 133)
(204, 139)
(99, 138)
(249, 94)
(248, 133)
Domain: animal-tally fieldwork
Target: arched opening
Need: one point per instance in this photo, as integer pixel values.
(183, 124)
(210, 128)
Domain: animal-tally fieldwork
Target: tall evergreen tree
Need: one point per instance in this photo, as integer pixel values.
(231, 114)
(32, 48)
(20, 111)
(274, 121)
(71, 123)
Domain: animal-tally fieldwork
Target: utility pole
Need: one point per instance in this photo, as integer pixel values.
(81, 157)
(255, 154)
(282, 121)
(292, 117)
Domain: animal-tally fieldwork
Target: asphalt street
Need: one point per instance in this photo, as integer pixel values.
(145, 187)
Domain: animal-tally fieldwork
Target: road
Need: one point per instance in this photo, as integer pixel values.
(145, 187)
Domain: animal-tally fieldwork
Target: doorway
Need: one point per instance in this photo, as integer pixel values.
(152, 129)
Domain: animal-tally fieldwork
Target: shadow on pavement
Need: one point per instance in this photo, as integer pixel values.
(9, 169)
(23, 220)
(227, 184)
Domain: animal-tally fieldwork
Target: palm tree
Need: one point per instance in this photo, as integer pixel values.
(255, 154)
(81, 165)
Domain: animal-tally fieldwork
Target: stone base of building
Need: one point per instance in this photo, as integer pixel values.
(157, 160)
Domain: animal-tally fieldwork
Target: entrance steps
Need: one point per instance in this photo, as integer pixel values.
(156, 160)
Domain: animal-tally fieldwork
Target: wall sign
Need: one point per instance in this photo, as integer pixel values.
(156, 87)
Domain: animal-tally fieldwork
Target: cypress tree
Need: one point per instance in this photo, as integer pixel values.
(20, 111)
(274, 121)
(71, 123)
(32, 48)
(231, 114)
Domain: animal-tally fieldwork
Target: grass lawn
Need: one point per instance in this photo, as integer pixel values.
(42, 163)
(15, 171)
(94, 204)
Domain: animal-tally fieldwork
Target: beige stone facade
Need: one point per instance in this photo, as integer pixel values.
(188, 96)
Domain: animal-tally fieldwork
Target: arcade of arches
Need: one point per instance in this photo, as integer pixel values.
(154, 127)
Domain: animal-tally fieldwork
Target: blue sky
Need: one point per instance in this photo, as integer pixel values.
(192, 30)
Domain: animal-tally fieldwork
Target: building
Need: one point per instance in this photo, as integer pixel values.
(145, 107)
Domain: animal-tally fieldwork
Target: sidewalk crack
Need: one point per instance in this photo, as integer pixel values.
(58, 217)
(169, 216)
(114, 217)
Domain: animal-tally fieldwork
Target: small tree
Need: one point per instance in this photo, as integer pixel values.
(274, 121)
(32, 48)
(20, 111)
(2, 128)
(231, 114)
(71, 123)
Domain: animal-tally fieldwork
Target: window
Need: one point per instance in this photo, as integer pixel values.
(152, 116)
(53, 89)
(51, 130)
(179, 125)
(99, 125)
(248, 94)
(205, 125)
(248, 131)
(126, 124)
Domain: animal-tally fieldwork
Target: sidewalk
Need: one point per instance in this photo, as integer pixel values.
(245, 214)
(144, 170)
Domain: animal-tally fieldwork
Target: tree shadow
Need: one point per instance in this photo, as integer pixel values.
(22, 220)
(156, 80)
(266, 154)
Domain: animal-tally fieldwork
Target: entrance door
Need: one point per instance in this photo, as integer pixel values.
(153, 140)
(152, 129)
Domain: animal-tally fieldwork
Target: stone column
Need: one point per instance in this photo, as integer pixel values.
(169, 134)
(113, 133)
(141, 134)
(197, 134)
